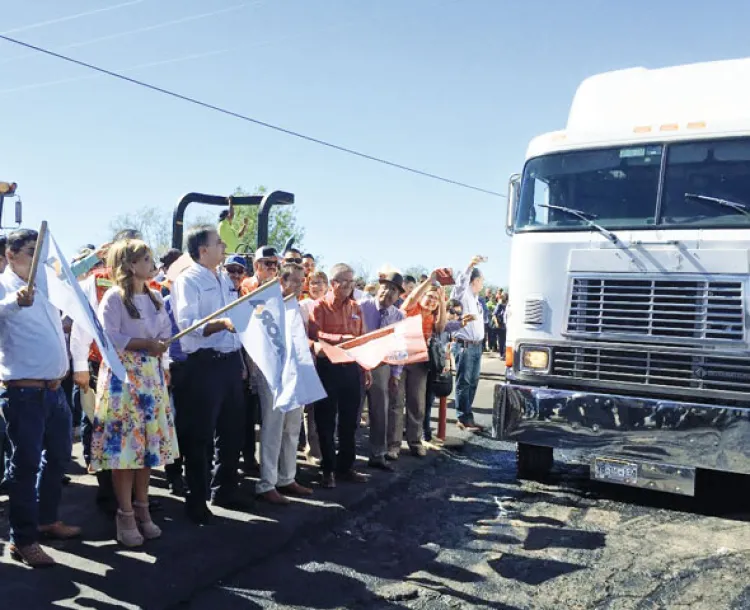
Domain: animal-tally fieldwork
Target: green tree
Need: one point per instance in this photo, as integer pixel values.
(282, 223)
(154, 224)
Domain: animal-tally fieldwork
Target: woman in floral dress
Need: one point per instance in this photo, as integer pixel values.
(133, 425)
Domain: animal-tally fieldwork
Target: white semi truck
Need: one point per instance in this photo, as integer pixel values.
(628, 317)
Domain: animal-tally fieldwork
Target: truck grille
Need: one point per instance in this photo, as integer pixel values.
(652, 368)
(672, 310)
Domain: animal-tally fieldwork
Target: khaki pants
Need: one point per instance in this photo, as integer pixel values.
(409, 396)
(279, 437)
(377, 409)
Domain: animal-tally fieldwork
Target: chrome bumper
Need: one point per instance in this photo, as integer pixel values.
(664, 435)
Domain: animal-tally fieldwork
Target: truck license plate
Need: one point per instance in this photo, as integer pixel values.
(615, 471)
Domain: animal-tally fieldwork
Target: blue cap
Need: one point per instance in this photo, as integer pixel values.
(236, 259)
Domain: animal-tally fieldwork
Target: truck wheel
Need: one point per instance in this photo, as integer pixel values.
(533, 462)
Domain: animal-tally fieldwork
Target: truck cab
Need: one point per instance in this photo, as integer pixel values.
(627, 322)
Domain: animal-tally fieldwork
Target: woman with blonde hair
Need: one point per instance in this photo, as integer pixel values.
(133, 425)
(427, 300)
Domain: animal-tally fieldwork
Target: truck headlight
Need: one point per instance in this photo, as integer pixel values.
(535, 359)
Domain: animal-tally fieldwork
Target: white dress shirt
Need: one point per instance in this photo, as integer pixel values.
(32, 341)
(473, 331)
(197, 293)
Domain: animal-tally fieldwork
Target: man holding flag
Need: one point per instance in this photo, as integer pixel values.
(33, 362)
(279, 434)
(214, 369)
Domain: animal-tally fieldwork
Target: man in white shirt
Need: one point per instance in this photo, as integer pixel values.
(214, 371)
(467, 343)
(33, 362)
(279, 432)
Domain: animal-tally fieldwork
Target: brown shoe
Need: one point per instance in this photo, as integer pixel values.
(32, 555)
(352, 476)
(295, 489)
(274, 497)
(329, 480)
(60, 531)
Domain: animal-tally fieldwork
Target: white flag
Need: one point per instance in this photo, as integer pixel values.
(260, 325)
(300, 384)
(56, 280)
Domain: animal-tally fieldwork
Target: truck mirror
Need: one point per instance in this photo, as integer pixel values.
(514, 189)
(19, 212)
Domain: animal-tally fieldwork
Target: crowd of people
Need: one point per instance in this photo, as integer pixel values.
(194, 406)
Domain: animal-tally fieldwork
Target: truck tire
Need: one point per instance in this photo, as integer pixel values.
(533, 462)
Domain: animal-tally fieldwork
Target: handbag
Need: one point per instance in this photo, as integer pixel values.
(442, 384)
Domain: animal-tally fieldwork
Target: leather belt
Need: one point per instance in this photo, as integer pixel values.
(212, 354)
(35, 384)
(467, 342)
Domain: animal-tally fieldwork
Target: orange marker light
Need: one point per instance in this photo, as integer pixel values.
(509, 357)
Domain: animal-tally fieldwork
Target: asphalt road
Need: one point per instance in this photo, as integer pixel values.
(464, 533)
(453, 530)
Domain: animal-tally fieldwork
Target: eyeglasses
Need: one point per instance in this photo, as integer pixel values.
(297, 261)
(269, 263)
(233, 270)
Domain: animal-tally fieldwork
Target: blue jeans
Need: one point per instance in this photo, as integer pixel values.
(468, 365)
(39, 430)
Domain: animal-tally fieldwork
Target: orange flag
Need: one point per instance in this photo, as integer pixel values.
(399, 344)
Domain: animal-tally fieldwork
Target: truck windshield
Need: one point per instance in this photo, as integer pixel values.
(704, 184)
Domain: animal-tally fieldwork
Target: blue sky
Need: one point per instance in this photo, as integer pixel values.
(453, 87)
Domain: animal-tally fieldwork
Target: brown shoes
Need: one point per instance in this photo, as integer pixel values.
(295, 489)
(60, 531)
(32, 555)
(274, 497)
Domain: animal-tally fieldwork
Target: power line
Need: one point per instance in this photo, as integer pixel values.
(243, 117)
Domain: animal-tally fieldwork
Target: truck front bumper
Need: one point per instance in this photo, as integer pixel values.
(667, 439)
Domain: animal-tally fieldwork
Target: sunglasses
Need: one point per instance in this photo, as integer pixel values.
(233, 270)
(269, 263)
(297, 261)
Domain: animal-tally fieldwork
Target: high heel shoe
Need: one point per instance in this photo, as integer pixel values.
(127, 529)
(148, 528)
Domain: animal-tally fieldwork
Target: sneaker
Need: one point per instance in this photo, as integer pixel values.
(392, 456)
(418, 451)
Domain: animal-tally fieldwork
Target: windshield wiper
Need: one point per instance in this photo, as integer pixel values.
(588, 219)
(732, 205)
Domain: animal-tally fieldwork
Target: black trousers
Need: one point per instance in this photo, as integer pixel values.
(180, 394)
(342, 384)
(213, 412)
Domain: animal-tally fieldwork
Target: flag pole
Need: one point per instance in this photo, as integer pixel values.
(220, 311)
(37, 255)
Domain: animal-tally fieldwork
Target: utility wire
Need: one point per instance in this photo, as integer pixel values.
(243, 117)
